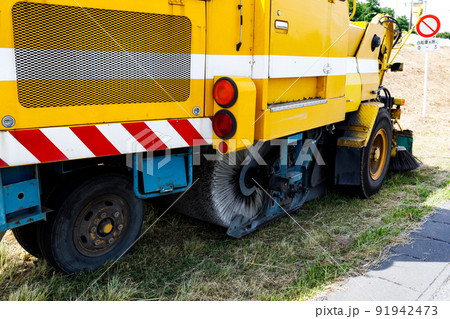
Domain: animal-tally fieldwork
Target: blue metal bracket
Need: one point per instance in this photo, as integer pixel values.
(288, 170)
(155, 176)
(285, 142)
(20, 197)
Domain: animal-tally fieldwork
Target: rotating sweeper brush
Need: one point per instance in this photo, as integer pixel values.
(404, 160)
(226, 189)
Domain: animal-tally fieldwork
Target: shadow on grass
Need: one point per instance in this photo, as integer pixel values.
(184, 259)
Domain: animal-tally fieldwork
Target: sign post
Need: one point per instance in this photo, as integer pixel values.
(425, 87)
(427, 27)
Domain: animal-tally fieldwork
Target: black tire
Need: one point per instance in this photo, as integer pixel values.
(26, 236)
(68, 241)
(373, 174)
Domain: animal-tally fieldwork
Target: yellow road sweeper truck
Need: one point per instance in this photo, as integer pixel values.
(235, 112)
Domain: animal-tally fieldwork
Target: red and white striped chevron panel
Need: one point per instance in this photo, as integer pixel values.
(69, 143)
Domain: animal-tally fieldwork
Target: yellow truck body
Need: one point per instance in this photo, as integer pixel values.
(160, 59)
(106, 103)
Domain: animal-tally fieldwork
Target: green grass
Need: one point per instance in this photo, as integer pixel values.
(184, 259)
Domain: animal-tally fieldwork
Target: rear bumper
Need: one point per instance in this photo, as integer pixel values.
(26, 147)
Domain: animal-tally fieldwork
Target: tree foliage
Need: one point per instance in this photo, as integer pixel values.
(365, 11)
(443, 35)
(403, 22)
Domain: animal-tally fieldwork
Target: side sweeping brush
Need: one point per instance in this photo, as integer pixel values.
(404, 161)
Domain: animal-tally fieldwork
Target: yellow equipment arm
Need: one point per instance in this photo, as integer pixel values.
(354, 9)
(403, 41)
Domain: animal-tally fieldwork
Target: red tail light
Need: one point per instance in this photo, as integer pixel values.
(225, 92)
(223, 147)
(224, 124)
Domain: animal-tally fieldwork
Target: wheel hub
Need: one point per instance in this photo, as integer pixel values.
(378, 154)
(105, 227)
(100, 225)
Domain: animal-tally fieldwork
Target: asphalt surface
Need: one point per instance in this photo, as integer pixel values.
(419, 270)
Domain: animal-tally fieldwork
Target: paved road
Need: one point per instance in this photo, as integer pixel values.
(416, 271)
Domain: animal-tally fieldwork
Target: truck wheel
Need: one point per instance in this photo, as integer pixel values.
(26, 236)
(98, 222)
(375, 156)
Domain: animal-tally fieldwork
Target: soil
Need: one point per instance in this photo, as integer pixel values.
(432, 133)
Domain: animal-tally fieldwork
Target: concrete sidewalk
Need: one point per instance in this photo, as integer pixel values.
(417, 271)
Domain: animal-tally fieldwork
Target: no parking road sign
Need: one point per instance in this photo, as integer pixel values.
(428, 26)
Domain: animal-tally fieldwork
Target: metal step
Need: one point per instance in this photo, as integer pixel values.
(349, 141)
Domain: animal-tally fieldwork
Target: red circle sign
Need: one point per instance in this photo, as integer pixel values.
(428, 26)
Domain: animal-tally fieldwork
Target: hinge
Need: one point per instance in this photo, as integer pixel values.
(176, 2)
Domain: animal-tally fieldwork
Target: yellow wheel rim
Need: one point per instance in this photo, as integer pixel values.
(378, 154)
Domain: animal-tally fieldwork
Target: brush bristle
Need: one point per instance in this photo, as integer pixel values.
(404, 161)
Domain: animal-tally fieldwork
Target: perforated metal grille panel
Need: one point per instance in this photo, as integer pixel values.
(67, 56)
